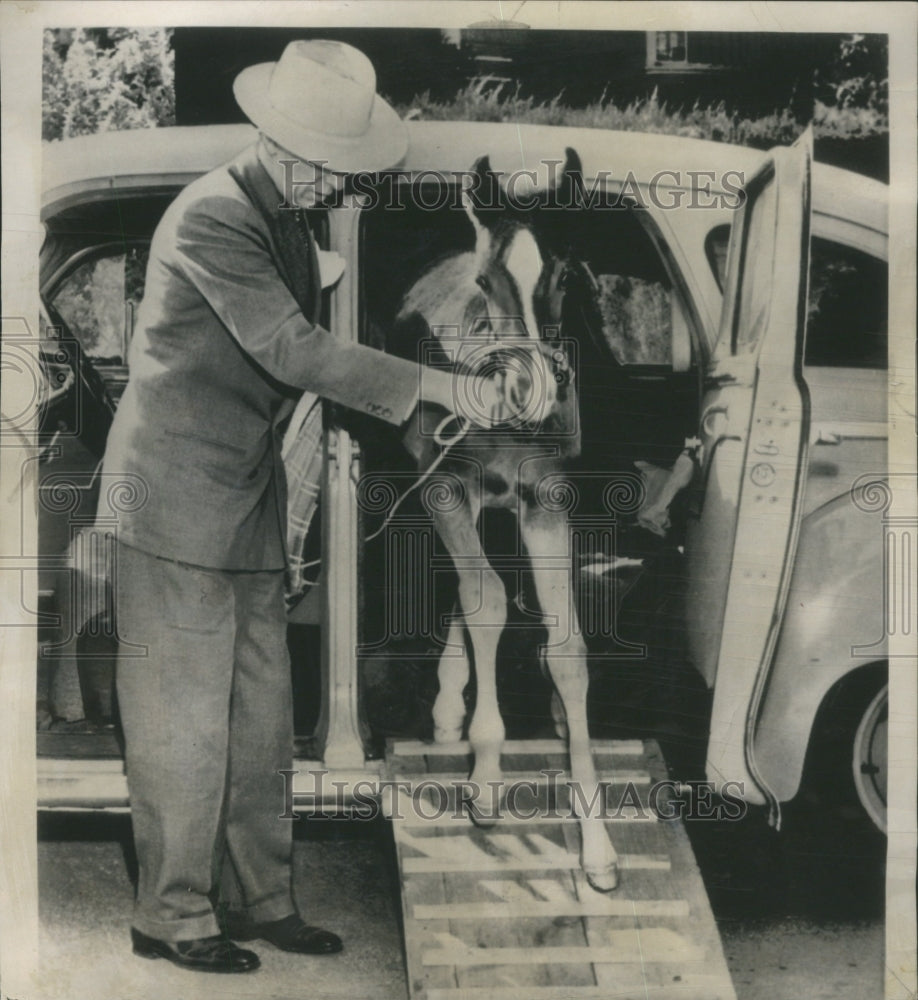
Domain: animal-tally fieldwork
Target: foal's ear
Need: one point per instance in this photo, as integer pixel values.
(482, 196)
(572, 163)
(570, 187)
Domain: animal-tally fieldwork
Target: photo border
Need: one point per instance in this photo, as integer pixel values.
(20, 65)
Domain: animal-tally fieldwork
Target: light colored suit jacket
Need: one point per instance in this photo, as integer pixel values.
(220, 350)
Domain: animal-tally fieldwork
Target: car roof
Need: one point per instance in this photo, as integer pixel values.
(89, 168)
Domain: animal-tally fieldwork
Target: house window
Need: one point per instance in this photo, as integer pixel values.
(709, 51)
(667, 49)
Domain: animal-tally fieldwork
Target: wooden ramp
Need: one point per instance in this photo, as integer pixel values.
(506, 914)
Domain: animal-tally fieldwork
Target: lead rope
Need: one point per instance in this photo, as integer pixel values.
(447, 444)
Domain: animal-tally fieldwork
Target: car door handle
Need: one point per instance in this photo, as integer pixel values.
(836, 432)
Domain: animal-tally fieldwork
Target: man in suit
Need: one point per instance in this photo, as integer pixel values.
(226, 335)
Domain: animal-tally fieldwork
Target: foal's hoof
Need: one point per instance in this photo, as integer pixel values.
(603, 881)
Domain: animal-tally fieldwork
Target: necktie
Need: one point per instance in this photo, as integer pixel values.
(302, 446)
(298, 256)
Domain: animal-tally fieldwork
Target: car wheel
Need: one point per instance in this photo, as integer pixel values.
(846, 770)
(869, 759)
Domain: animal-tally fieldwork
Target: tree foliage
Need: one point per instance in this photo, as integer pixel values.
(859, 75)
(105, 79)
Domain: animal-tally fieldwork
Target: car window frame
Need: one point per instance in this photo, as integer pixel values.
(872, 245)
(679, 284)
(680, 288)
(99, 251)
(95, 251)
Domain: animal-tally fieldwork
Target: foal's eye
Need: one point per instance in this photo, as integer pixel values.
(483, 283)
(564, 278)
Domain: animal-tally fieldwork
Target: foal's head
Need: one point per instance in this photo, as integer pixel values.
(522, 272)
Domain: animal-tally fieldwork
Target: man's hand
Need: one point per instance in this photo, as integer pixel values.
(512, 394)
(500, 398)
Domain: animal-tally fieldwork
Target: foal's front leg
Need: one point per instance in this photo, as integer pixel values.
(483, 602)
(546, 538)
(453, 674)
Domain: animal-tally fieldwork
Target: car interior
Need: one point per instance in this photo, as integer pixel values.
(638, 382)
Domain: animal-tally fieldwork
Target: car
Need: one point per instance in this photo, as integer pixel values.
(704, 285)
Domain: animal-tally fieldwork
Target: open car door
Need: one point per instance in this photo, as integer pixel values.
(754, 425)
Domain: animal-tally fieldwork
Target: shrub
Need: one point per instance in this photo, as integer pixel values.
(716, 122)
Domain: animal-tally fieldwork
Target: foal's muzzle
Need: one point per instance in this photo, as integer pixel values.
(525, 376)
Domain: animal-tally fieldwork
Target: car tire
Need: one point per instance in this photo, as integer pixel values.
(846, 763)
(869, 758)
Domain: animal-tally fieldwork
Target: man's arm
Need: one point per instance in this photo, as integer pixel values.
(224, 255)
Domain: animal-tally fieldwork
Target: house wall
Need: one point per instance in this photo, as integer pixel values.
(755, 73)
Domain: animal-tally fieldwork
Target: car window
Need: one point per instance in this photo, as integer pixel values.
(643, 321)
(847, 304)
(637, 319)
(98, 301)
(847, 308)
(715, 248)
(756, 282)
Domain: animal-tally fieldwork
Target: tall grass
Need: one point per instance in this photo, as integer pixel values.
(716, 122)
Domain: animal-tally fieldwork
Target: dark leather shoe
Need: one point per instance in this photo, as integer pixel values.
(289, 934)
(208, 954)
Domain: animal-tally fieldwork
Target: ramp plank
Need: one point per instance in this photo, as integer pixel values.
(505, 913)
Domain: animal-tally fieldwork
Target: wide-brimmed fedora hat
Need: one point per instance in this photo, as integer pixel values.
(319, 101)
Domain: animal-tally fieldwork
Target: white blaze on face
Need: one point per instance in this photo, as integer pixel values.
(524, 264)
(534, 386)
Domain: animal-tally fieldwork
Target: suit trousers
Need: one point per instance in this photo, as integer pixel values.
(208, 722)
